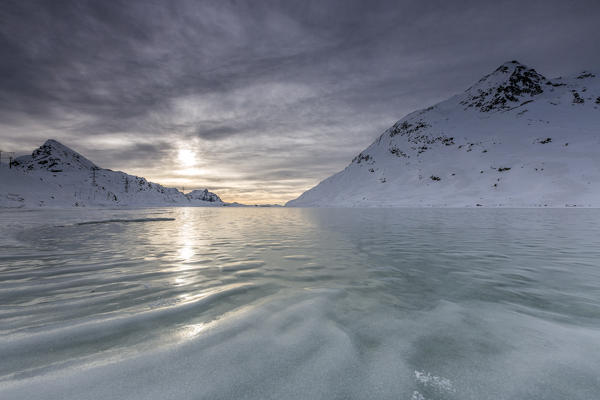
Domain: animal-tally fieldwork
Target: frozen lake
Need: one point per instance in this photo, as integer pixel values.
(247, 303)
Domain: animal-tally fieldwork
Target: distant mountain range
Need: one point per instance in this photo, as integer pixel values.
(514, 139)
(57, 176)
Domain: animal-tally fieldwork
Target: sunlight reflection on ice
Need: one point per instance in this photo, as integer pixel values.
(186, 253)
(186, 233)
(192, 330)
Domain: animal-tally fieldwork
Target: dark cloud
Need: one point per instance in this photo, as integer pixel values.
(139, 154)
(273, 90)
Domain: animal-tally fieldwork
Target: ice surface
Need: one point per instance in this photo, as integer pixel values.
(110, 221)
(222, 303)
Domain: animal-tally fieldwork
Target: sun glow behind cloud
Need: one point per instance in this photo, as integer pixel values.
(186, 157)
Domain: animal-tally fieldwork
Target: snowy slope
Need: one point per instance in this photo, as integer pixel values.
(514, 139)
(56, 176)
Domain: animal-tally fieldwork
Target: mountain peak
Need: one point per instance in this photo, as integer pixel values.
(55, 146)
(55, 157)
(509, 66)
(509, 85)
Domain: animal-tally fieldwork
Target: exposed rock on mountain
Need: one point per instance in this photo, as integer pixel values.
(203, 195)
(54, 157)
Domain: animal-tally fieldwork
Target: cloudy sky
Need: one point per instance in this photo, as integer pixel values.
(257, 100)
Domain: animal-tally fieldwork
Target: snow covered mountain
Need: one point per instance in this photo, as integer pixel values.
(56, 176)
(514, 139)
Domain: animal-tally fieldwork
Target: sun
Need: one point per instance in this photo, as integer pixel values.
(186, 157)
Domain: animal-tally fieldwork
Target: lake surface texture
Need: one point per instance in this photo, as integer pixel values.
(253, 303)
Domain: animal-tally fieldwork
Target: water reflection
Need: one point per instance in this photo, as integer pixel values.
(192, 330)
(186, 234)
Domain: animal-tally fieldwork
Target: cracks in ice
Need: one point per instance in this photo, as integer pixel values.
(431, 387)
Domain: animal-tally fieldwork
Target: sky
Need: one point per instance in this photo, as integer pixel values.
(256, 100)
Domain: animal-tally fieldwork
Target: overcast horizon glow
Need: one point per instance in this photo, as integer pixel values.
(257, 101)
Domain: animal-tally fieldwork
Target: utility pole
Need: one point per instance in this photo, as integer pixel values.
(94, 176)
(126, 184)
(10, 155)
